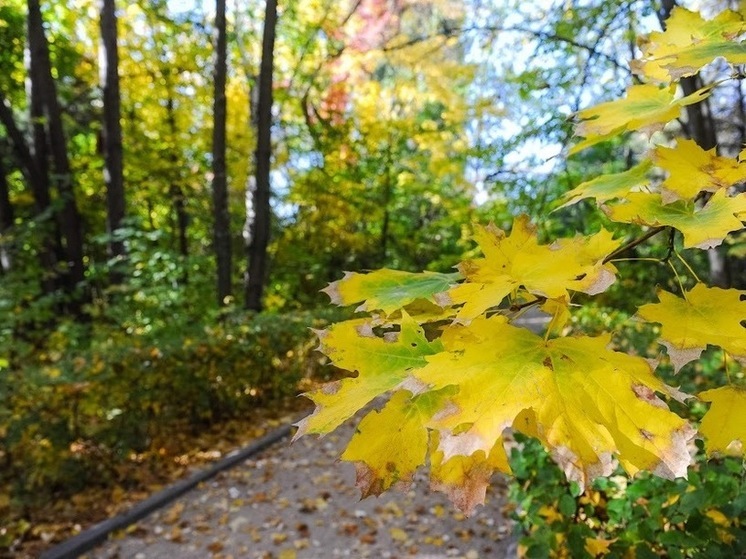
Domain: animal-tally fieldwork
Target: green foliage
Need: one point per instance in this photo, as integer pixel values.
(74, 412)
(648, 516)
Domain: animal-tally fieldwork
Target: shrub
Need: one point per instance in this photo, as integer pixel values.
(72, 413)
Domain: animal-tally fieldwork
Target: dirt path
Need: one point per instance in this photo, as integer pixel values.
(297, 502)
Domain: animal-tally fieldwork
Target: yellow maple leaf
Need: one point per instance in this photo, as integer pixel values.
(389, 445)
(689, 43)
(724, 424)
(465, 478)
(598, 547)
(703, 228)
(608, 187)
(708, 315)
(589, 404)
(693, 170)
(518, 260)
(382, 365)
(559, 310)
(550, 514)
(646, 108)
(718, 518)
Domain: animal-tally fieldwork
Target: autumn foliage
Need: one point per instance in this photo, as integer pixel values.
(462, 374)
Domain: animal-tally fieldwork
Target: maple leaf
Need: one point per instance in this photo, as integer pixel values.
(723, 426)
(559, 311)
(388, 290)
(588, 403)
(608, 187)
(646, 108)
(389, 445)
(382, 365)
(703, 228)
(693, 170)
(689, 43)
(707, 315)
(464, 479)
(518, 260)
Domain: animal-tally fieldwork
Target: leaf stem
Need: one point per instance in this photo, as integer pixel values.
(688, 267)
(656, 260)
(632, 244)
(671, 245)
(678, 278)
(725, 367)
(521, 306)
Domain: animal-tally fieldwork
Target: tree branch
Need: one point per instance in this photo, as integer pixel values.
(632, 244)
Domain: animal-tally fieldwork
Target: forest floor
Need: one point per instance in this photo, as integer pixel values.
(296, 501)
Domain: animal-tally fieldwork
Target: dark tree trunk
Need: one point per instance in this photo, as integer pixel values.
(700, 127)
(112, 133)
(40, 140)
(258, 258)
(49, 246)
(50, 243)
(176, 191)
(221, 215)
(26, 160)
(182, 219)
(69, 220)
(6, 221)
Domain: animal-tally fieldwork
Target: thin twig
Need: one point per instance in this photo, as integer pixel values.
(520, 307)
(632, 244)
(671, 246)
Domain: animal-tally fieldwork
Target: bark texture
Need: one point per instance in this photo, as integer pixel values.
(258, 258)
(69, 220)
(112, 131)
(221, 216)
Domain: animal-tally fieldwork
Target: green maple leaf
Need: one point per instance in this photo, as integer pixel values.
(704, 227)
(611, 186)
(646, 108)
(388, 290)
(382, 365)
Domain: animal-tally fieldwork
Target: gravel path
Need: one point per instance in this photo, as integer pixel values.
(296, 502)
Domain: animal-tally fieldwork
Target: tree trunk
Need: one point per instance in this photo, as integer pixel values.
(112, 134)
(39, 140)
(221, 215)
(6, 221)
(176, 191)
(49, 246)
(26, 160)
(258, 258)
(69, 220)
(50, 243)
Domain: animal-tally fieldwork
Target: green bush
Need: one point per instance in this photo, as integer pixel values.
(73, 413)
(642, 517)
